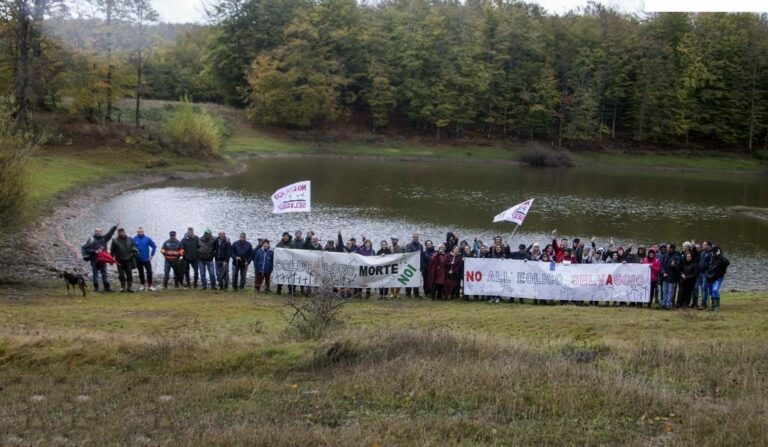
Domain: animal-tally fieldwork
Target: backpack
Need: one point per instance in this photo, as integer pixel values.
(86, 252)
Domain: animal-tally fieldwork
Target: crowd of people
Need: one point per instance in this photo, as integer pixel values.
(688, 278)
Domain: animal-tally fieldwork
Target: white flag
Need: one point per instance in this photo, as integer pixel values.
(515, 214)
(295, 198)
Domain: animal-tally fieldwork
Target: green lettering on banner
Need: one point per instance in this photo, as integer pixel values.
(407, 274)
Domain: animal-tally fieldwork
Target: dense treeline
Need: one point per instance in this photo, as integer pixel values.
(448, 68)
(507, 69)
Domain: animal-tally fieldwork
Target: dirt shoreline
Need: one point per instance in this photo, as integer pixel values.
(757, 213)
(38, 254)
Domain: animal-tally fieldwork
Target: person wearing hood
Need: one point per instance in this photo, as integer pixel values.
(286, 241)
(689, 273)
(146, 247)
(413, 247)
(95, 245)
(718, 266)
(702, 287)
(451, 240)
(426, 258)
(222, 252)
(124, 250)
(454, 266)
(242, 255)
(534, 252)
(172, 251)
(436, 276)
(190, 261)
(205, 254)
(263, 264)
(655, 265)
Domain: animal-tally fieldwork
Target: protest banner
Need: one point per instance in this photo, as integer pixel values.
(294, 198)
(349, 270)
(628, 283)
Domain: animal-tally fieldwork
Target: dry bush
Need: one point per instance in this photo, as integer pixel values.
(545, 156)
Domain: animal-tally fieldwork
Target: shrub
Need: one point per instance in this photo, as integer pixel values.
(193, 131)
(16, 145)
(539, 155)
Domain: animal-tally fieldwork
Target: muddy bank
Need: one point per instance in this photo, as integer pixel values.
(757, 213)
(36, 254)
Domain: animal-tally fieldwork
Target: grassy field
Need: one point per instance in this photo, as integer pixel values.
(186, 367)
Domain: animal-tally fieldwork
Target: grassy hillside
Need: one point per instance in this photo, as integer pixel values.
(193, 368)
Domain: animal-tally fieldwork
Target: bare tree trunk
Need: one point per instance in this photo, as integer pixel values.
(22, 69)
(37, 79)
(613, 120)
(752, 106)
(138, 71)
(109, 60)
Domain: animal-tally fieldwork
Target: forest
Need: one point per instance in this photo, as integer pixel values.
(449, 69)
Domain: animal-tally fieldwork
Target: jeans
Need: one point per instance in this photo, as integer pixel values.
(239, 272)
(715, 292)
(176, 267)
(207, 266)
(143, 266)
(222, 273)
(703, 286)
(668, 293)
(190, 265)
(96, 269)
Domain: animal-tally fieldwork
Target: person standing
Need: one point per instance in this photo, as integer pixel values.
(689, 273)
(147, 248)
(436, 277)
(366, 250)
(205, 261)
(125, 252)
(670, 277)
(718, 266)
(454, 265)
(190, 243)
(263, 264)
(242, 254)
(384, 250)
(655, 270)
(396, 249)
(95, 245)
(173, 252)
(222, 252)
(426, 258)
(702, 286)
(285, 242)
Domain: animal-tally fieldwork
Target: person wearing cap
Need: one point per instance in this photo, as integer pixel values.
(190, 261)
(205, 259)
(285, 242)
(413, 247)
(172, 251)
(96, 244)
(125, 252)
(242, 255)
(146, 247)
(222, 252)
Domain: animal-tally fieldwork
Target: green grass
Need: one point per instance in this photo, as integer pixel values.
(194, 368)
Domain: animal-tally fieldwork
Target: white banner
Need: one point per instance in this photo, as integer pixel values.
(516, 214)
(629, 283)
(316, 268)
(295, 198)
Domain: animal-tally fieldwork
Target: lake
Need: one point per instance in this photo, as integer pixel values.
(381, 199)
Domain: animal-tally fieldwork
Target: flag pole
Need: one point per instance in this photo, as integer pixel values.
(514, 231)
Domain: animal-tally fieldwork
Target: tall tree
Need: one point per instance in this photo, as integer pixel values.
(140, 13)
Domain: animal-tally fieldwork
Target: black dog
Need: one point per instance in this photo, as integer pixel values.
(74, 280)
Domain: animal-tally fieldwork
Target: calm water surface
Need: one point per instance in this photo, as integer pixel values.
(380, 199)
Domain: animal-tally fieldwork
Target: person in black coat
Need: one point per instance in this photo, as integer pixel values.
(718, 266)
(96, 244)
(222, 252)
(689, 272)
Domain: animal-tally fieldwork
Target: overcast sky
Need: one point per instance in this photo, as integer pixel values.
(192, 10)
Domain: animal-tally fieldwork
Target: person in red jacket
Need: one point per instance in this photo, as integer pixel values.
(559, 248)
(655, 270)
(436, 275)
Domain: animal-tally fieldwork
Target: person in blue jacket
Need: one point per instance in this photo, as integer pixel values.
(147, 248)
(263, 263)
(242, 254)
